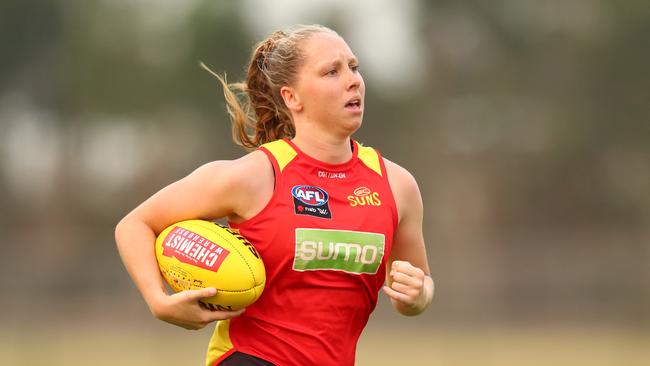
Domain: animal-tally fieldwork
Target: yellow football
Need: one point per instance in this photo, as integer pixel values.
(196, 254)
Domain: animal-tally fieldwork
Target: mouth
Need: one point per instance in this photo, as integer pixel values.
(354, 104)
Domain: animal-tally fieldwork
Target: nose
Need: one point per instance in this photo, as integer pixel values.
(354, 80)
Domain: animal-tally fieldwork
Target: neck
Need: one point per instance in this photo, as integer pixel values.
(324, 148)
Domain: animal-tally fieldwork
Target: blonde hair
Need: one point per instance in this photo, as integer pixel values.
(257, 111)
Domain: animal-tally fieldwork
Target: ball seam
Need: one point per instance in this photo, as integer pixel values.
(235, 248)
(236, 291)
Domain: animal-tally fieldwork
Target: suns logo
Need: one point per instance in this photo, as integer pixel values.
(363, 196)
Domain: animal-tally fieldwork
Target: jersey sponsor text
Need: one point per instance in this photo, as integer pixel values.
(342, 250)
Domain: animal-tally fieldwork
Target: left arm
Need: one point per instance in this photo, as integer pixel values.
(409, 283)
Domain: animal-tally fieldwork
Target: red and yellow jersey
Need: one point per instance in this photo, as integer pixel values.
(325, 237)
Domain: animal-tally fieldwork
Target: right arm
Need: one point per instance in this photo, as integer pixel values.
(215, 190)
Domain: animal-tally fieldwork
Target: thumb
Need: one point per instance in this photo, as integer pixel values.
(199, 294)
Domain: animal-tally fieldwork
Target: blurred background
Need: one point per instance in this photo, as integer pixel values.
(524, 122)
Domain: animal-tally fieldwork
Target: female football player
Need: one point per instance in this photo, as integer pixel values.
(333, 220)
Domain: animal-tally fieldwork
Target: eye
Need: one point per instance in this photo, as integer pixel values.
(354, 68)
(332, 72)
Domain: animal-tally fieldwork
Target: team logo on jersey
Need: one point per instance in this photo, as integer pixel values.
(353, 252)
(311, 200)
(363, 196)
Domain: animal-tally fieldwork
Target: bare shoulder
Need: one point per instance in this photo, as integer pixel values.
(399, 178)
(404, 186)
(248, 182)
(224, 188)
(236, 172)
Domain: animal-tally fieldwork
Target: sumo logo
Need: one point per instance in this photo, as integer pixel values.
(311, 200)
(353, 252)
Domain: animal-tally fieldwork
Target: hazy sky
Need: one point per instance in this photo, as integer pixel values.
(383, 33)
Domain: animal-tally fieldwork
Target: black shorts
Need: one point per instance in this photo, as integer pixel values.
(243, 359)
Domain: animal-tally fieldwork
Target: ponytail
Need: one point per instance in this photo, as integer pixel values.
(257, 111)
(240, 116)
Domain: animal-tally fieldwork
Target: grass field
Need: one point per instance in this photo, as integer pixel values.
(158, 344)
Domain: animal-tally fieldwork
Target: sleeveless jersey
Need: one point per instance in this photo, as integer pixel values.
(325, 237)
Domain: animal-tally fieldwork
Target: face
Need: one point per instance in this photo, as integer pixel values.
(329, 90)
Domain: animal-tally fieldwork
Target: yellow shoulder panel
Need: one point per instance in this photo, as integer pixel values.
(282, 152)
(220, 342)
(369, 156)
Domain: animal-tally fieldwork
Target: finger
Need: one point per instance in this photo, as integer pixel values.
(397, 265)
(206, 316)
(405, 279)
(195, 295)
(211, 316)
(407, 268)
(395, 294)
(411, 292)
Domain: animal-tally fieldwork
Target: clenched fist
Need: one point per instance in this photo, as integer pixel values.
(409, 288)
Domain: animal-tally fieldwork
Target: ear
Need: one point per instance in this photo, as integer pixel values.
(291, 98)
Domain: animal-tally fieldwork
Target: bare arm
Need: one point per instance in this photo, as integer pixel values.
(215, 190)
(409, 283)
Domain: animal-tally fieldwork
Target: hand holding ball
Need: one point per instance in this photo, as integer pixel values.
(196, 254)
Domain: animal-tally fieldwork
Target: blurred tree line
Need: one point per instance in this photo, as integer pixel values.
(527, 131)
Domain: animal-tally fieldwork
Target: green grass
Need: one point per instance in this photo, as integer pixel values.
(155, 343)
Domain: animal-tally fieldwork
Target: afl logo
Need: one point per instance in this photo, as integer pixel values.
(311, 200)
(310, 195)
